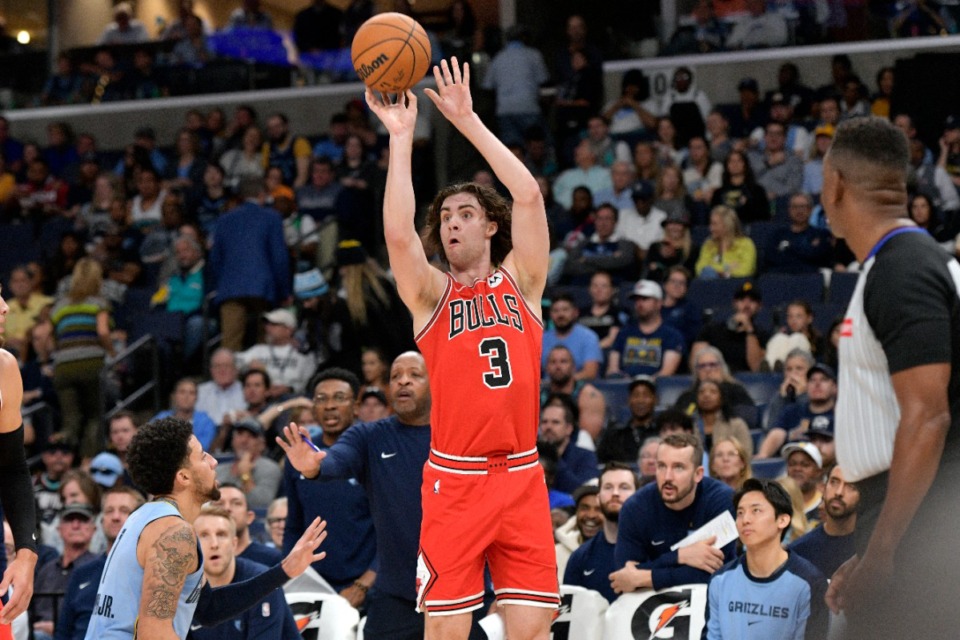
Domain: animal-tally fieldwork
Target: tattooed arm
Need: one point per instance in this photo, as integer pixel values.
(167, 550)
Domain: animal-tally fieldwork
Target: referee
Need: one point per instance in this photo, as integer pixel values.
(899, 396)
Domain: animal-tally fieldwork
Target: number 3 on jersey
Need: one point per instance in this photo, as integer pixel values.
(499, 376)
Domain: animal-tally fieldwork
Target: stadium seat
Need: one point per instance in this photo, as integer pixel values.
(670, 388)
(824, 314)
(713, 294)
(615, 393)
(757, 435)
(760, 386)
(841, 288)
(760, 233)
(769, 468)
(781, 288)
(580, 294)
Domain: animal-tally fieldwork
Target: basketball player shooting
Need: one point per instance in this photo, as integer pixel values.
(480, 330)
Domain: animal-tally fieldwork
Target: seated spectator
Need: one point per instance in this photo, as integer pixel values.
(76, 529)
(576, 464)
(176, 30)
(121, 427)
(647, 460)
(932, 180)
(146, 207)
(718, 137)
(643, 223)
(607, 150)
(767, 573)
(255, 384)
(586, 522)
(581, 341)
(276, 519)
(285, 150)
(831, 543)
(708, 365)
(590, 403)
(798, 247)
(799, 333)
(622, 177)
(289, 369)
(698, 32)
(925, 215)
(183, 405)
(678, 311)
(662, 514)
(671, 194)
(796, 420)
(187, 172)
(250, 16)
(777, 169)
(687, 105)
(913, 19)
(603, 250)
(737, 337)
(246, 161)
(668, 149)
(740, 191)
(649, 346)
(143, 81)
(702, 175)
(66, 86)
(586, 172)
(793, 389)
(373, 405)
(27, 307)
(317, 27)
(634, 112)
(714, 417)
(223, 393)
(125, 29)
(622, 442)
(646, 161)
(797, 138)
(813, 166)
(42, 195)
(761, 29)
(604, 315)
(591, 564)
(805, 467)
(60, 152)
(727, 253)
(259, 477)
(730, 462)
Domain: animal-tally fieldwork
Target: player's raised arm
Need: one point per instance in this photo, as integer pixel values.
(419, 285)
(531, 243)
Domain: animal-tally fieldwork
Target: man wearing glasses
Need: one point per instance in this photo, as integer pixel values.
(350, 544)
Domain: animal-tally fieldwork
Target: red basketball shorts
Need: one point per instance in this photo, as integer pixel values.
(478, 510)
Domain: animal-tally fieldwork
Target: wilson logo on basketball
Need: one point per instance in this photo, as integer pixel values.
(366, 70)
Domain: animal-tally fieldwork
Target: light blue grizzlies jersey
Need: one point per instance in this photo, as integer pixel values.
(118, 596)
(787, 605)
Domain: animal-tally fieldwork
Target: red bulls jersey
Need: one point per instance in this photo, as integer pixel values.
(482, 348)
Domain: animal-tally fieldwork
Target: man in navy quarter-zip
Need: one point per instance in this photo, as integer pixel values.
(387, 457)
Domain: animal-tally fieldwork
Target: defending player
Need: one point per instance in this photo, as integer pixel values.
(480, 331)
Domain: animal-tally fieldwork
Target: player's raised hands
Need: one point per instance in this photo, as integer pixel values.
(300, 451)
(398, 113)
(452, 97)
(304, 553)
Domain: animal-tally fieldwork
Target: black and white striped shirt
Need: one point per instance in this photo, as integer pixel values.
(905, 312)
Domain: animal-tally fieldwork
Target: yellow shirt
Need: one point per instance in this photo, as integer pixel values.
(739, 261)
(22, 317)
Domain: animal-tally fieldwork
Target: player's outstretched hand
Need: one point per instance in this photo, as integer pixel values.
(300, 451)
(400, 116)
(453, 100)
(19, 575)
(304, 552)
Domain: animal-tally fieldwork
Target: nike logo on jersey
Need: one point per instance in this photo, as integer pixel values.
(386, 455)
(84, 585)
(657, 543)
(753, 622)
(194, 627)
(588, 572)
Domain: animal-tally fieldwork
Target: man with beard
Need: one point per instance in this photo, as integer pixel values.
(577, 465)
(831, 543)
(216, 532)
(584, 524)
(581, 341)
(648, 346)
(151, 585)
(657, 516)
(592, 564)
(591, 404)
(387, 457)
(290, 153)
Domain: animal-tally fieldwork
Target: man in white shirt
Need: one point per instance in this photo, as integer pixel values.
(289, 369)
(223, 393)
(643, 224)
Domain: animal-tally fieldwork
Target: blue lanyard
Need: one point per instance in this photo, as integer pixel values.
(890, 234)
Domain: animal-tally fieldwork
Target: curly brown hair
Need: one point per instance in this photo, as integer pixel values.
(495, 207)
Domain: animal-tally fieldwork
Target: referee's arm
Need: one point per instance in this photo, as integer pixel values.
(924, 421)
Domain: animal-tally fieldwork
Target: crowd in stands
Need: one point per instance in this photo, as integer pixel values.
(693, 308)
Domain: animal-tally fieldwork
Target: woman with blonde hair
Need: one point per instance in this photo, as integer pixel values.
(727, 253)
(368, 310)
(81, 327)
(730, 462)
(799, 524)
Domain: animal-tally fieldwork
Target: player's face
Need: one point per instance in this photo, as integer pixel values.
(642, 402)
(560, 366)
(465, 231)
(726, 460)
(203, 466)
(615, 487)
(554, 427)
(803, 470)
(234, 501)
(757, 522)
(334, 407)
(677, 475)
(117, 507)
(410, 388)
(840, 498)
(589, 516)
(218, 543)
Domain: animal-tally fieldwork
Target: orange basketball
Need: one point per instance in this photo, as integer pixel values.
(391, 52)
